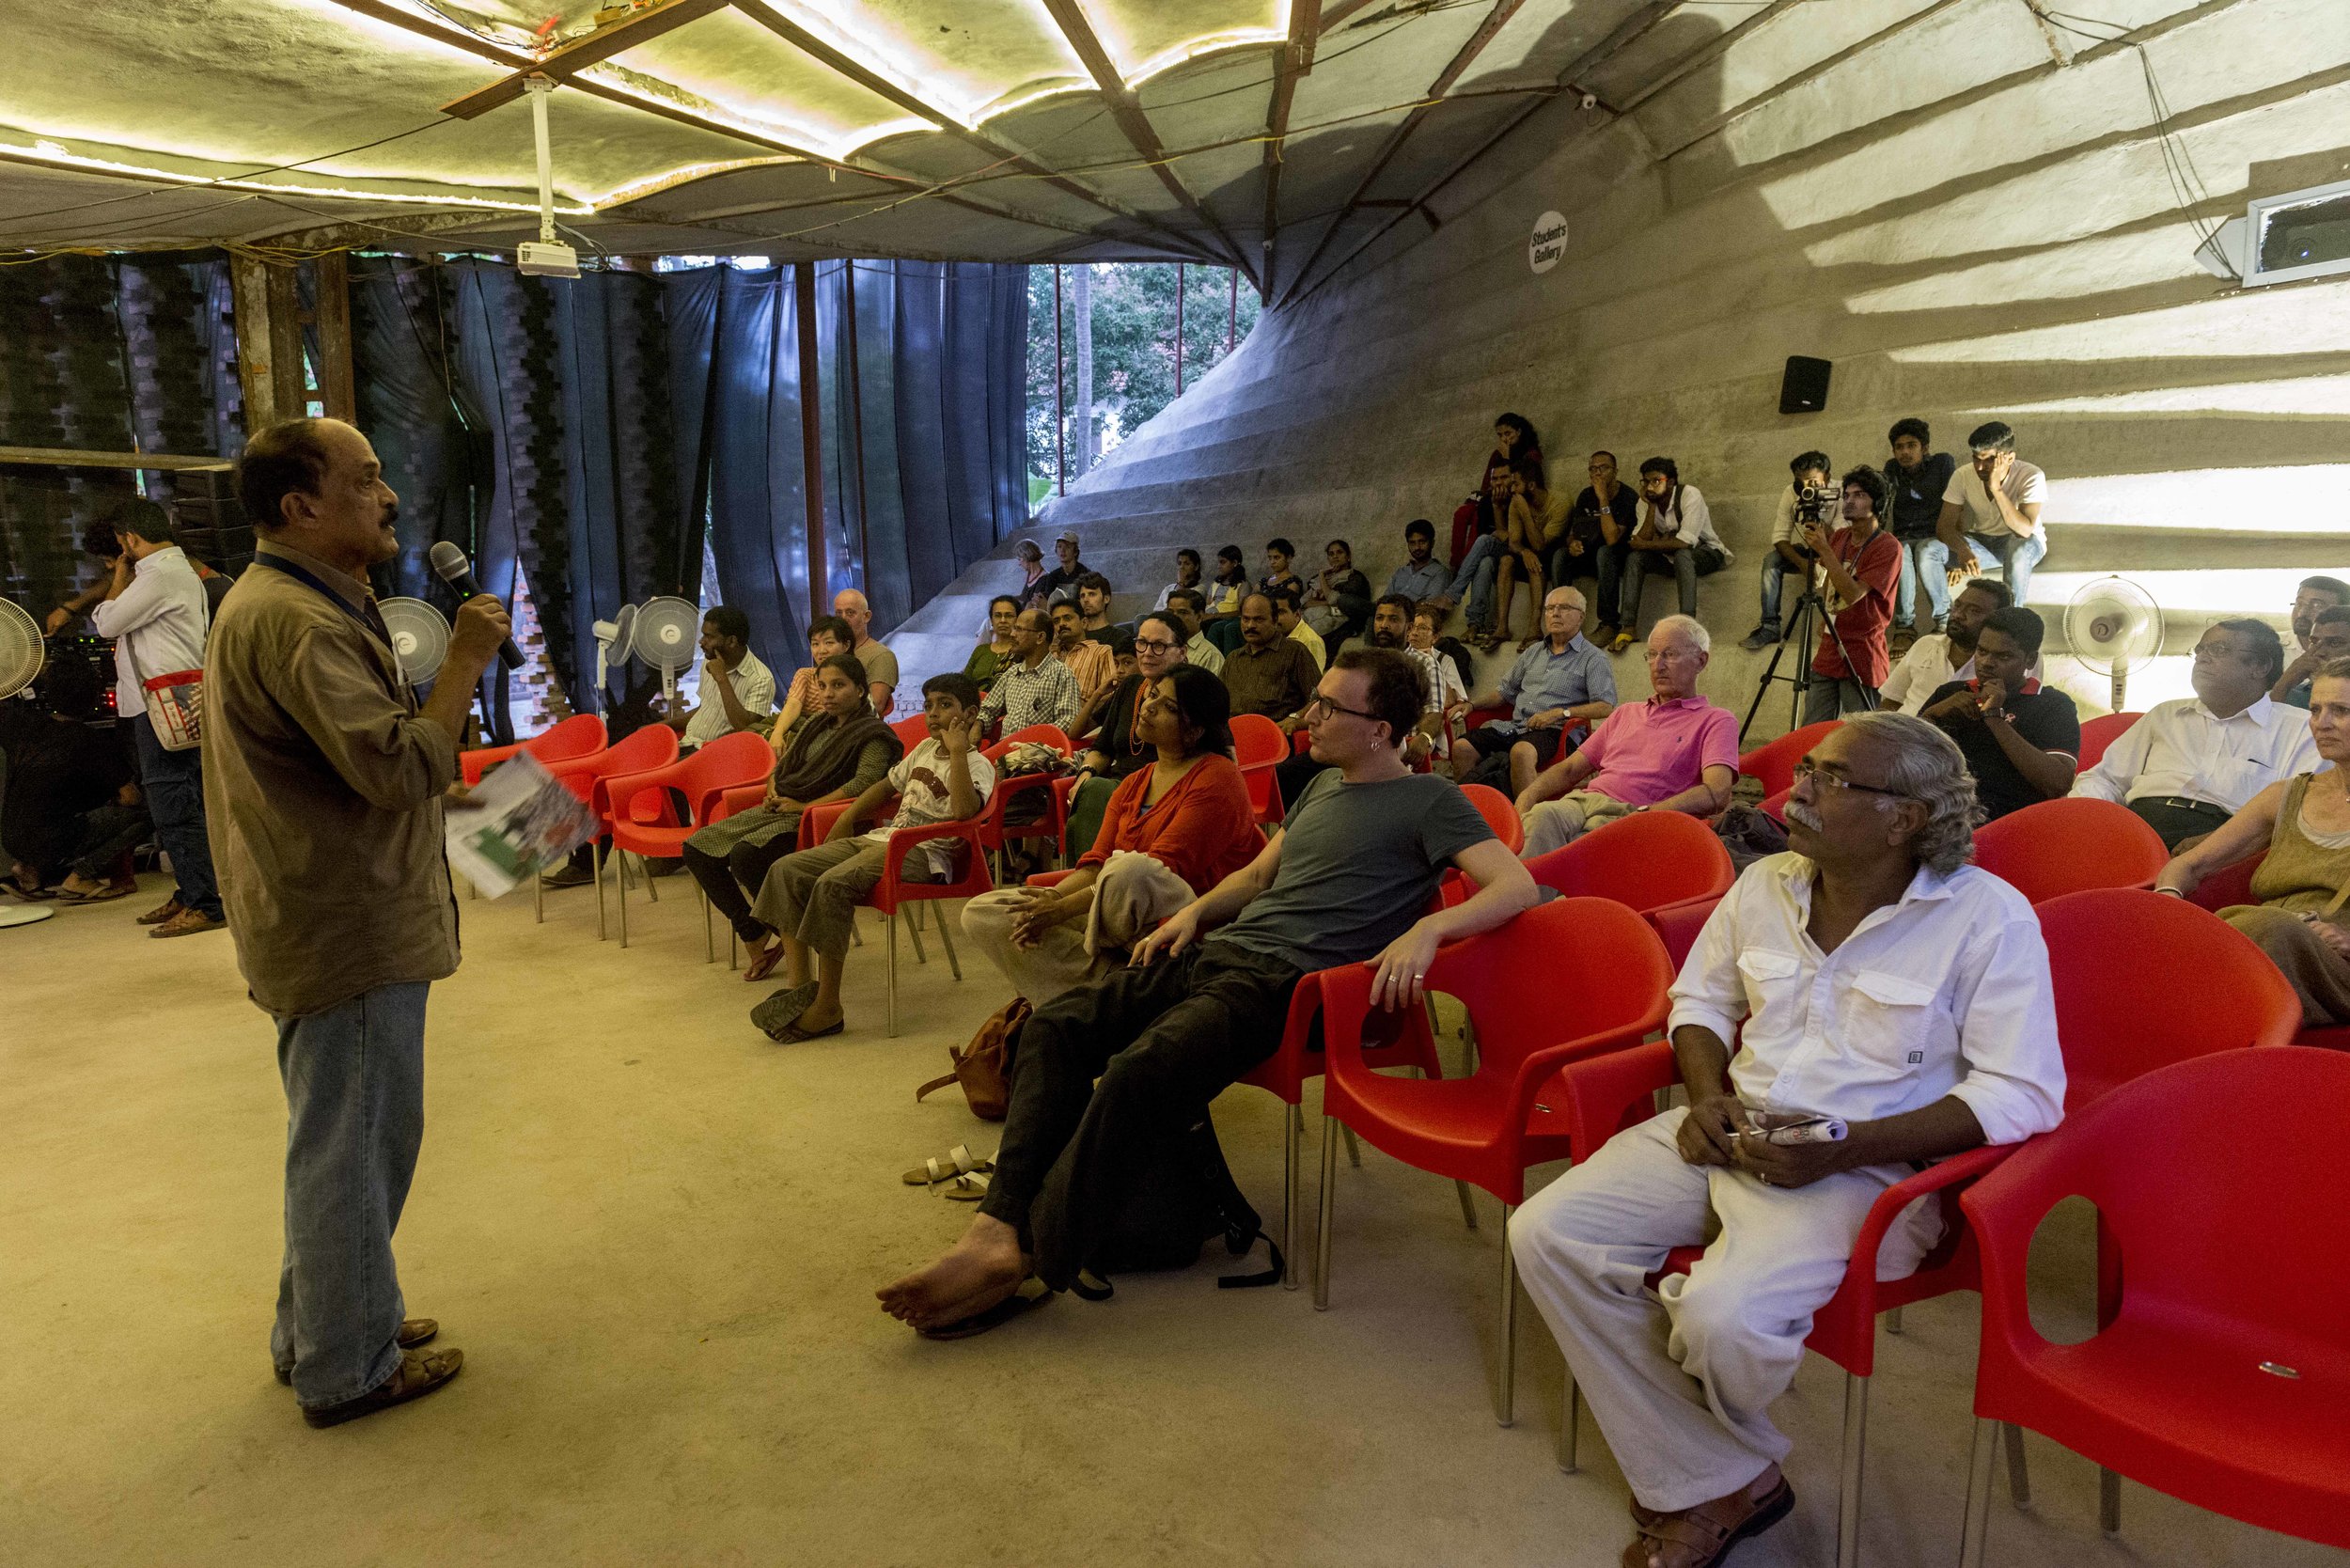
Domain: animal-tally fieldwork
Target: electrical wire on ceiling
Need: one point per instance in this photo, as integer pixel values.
(2187, 190)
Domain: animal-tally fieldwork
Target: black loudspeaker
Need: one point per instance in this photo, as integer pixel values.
(1805, 388)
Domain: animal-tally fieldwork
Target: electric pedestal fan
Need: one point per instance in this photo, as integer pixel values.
(419, 637)
(666, 634)
(22, 655)
(612, 643)
(2114, 627)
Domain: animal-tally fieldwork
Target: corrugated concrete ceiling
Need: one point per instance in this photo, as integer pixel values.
(1271, 135)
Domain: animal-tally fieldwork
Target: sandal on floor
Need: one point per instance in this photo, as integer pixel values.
(791, 1034)
(958, 1161)
(968, 1189)
(1706, 1540)
(782, 1008)
(762, 963)
(1031, 1294)
(101, 895)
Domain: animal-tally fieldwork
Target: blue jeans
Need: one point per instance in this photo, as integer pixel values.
(1603, 566)
(354, 1117)
(2017, 555)
(1472, 585)
(174, 782)
(1927, 561)
(1775, 568)
(1682, 564)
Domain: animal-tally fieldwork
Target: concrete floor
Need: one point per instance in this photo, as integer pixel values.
(656, 1235)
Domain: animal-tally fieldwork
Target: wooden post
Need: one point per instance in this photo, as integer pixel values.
(248, 287)
(1179, 329)
(811, 437)
(1061, 411)
(284, 343)
(336, 383)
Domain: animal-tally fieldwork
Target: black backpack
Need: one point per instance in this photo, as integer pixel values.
(1186, 1196)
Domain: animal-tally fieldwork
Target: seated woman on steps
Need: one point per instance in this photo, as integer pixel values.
(1172, 831)
(837, 753)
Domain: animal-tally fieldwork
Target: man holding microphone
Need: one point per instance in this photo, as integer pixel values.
(324, 784)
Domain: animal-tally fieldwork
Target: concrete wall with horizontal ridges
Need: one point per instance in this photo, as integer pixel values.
(1972, 216)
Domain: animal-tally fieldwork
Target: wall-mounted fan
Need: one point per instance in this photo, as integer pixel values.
(419, 637)
(2114, 627)
(666, 634)
(612, 641)
(21, 651)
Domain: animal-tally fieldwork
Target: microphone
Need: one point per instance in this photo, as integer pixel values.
(450, 565)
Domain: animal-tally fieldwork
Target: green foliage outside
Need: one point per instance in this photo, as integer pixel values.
(1134, 349)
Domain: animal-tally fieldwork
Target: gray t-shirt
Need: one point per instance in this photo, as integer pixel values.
(1358, 862)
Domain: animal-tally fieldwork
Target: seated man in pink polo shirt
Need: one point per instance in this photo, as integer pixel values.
(1675, 752)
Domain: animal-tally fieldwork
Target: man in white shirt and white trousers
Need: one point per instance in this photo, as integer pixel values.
(156, 614)
(1880, 979)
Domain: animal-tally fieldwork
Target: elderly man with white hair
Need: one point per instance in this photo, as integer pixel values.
(1675, 752)
(881, 664)
(1893, 997)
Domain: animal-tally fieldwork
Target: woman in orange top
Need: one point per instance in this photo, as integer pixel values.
(1172, 831)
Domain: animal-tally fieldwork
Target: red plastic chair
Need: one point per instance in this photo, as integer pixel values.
(895, 890)
(1500, 813)
(652, 746)
(2136, 987)
(729, 763)
(1773, 763)
(1604, 976)
(2223, 1394)
(2064, 846)
(912, 731)
(1677, 925)
(1643, 862)
(1258, 747)
(2101, 732)
(1052, 823)
(580, 736)
(2228, 885)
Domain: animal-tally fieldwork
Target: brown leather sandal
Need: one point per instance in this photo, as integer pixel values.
(1700, 1538)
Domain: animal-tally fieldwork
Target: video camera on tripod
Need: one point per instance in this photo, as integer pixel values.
(1815, 505)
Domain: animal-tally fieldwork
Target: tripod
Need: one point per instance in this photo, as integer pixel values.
(1797, 634)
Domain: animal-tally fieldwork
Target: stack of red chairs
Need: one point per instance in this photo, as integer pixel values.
(652, 746)
(729, 763)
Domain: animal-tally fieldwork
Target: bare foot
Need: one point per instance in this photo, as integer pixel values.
(759, 960)
(817, 1018)
(975, 1274)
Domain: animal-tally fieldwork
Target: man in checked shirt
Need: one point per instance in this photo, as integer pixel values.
(1881, 981)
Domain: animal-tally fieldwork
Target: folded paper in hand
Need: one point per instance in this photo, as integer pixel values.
(513, 824)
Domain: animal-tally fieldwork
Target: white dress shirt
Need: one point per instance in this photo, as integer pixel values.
(2181, 748)
(1945, 992)
(158, 625)
(1694, 523)
(754, 687)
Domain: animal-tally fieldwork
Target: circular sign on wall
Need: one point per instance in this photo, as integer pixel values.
(1548, 242)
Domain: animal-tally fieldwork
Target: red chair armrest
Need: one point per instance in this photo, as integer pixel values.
(817, 819)
(1860, 1274)
(1602, 1091)
(743, 797)
(471, 765)
(1538, 1067)
(1050, 879)
(903, 840)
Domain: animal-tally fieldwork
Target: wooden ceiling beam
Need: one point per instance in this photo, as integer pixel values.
(1126, 109)
(873, 82)
(1293, 59)
(1463, 57)
(564, 59)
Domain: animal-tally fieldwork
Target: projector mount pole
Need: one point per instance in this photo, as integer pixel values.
(539, 86)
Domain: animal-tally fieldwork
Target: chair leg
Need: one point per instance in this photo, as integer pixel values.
(914, 930)
(1506, 1373)
(710, 945)
(1569, 1423)
(1977, 1494)
(954, 965)
(1469, 1205)
(1848, 1487)
(619, 858)
(891, 921)
(653, 883)
(2108, 1503)
(1291, 1135)
(1893, 1320)
(1354, 1150)
(1329, 1192)
(2018, 1476)
(538, 900)
(597, 855)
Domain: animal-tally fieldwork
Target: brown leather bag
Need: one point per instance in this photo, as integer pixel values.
(979, 1066)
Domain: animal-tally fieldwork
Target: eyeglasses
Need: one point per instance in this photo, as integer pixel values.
(1808, 769)
(1324, 704)
(1153, 644)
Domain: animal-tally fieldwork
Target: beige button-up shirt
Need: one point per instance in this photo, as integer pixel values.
(322, 795)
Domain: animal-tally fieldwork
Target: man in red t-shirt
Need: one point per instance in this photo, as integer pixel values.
(1862, 565)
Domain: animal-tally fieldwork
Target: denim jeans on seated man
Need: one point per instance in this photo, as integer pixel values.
(1604, 565)
(2014, 554)
(1472, 585)
(354, 1099)
(1682, 564)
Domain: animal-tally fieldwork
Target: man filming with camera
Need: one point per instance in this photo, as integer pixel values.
(1860, 565)
(1807, 498)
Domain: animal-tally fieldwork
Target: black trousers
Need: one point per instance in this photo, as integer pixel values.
(1162, 1041)
(2178, 819)
(1493, 753)
(725, 878)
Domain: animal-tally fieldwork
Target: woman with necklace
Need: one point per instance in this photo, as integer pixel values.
(1176, 825)
(2302, 885)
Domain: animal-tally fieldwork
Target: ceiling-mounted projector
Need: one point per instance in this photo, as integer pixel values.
(546, 259)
